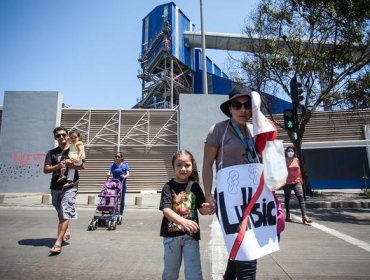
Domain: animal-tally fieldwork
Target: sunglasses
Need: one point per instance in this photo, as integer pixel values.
(57, 136)
(117, 157)
(238, 105)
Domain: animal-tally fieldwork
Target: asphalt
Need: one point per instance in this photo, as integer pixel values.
(341, 198)
(335, 246)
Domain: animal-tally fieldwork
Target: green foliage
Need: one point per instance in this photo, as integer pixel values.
(327, 42)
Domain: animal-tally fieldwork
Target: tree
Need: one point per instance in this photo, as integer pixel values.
(324, 41)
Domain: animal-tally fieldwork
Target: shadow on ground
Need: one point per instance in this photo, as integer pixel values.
(38, 242)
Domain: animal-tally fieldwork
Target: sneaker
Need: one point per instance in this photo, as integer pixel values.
(68, 184)
(60, 179)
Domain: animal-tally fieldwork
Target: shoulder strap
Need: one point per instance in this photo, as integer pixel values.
(188, 187)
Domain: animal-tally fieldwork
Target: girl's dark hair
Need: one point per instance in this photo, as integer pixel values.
(292, 148)
(194, 176)
(74, 132)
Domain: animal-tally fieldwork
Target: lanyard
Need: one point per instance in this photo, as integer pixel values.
(250, 154)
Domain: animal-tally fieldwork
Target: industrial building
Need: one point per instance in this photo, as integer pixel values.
(170, 115)
(171, 66)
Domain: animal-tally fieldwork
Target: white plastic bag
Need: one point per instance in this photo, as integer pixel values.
(274, 165)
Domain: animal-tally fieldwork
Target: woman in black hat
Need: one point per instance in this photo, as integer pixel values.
(230, 143)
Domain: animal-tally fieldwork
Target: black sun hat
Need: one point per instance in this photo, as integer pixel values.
(237, 91)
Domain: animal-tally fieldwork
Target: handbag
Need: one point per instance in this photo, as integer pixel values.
(274, 165)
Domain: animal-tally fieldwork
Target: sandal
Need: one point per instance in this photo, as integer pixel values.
(57, 249)
(306, 220)
(66, 237)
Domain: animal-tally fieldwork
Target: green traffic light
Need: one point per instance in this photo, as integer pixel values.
(290, 124)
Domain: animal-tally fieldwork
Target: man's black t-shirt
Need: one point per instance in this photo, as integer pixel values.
(53, 157)
(174, 196)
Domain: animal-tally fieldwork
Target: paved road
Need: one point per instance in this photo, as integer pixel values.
(134, 250)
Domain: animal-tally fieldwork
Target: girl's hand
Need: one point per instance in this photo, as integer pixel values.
(62, 164)
(211, 203)
(190, 226)
(69, 163)
(206, 209)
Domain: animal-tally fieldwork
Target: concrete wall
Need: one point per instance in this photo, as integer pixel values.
(197, 114)
(28, 120)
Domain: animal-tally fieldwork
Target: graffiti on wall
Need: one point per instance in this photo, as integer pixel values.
(22, 166)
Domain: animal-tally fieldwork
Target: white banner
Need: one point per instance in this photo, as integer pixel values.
(235, 187)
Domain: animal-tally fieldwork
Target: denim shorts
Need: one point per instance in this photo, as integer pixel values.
(175, 248)
(64, 202)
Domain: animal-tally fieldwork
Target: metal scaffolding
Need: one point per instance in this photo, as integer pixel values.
(163, 76)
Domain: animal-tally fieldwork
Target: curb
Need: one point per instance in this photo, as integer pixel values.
(333, 204)
(145, 201)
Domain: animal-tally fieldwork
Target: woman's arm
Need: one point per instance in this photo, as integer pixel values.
(127, 175)
(210, 154)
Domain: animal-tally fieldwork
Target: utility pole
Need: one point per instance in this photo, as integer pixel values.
(204, 60)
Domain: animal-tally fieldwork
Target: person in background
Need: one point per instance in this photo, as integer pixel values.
(181, 199)
(63, 199)
(294, 181)
(120, 170)
(76, 154)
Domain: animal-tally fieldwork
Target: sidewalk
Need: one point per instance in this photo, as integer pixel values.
(327, 199)
(82, 200)
(339, 198)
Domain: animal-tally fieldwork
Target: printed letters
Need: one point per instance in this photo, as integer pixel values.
(262, 214)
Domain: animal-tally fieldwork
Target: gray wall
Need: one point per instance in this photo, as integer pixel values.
(28, 120)
(198, 113)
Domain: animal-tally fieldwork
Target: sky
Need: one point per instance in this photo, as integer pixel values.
(88, 49)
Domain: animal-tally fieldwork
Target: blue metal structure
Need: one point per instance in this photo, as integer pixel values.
(166, 24)
(169, 66)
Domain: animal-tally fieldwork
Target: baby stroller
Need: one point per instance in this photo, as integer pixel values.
(107, 211)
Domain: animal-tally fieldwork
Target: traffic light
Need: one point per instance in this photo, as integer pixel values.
(296, 90)
(289, 119)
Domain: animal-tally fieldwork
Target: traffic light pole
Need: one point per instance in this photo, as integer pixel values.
(296, 94)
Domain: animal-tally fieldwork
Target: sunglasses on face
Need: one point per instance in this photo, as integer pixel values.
(57, 136)
(117, 156)
(238, 105)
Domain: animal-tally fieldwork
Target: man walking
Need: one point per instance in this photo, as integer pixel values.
(63, 199)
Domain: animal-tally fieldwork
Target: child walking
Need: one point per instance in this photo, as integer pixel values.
(181, 198)
(76, 154)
